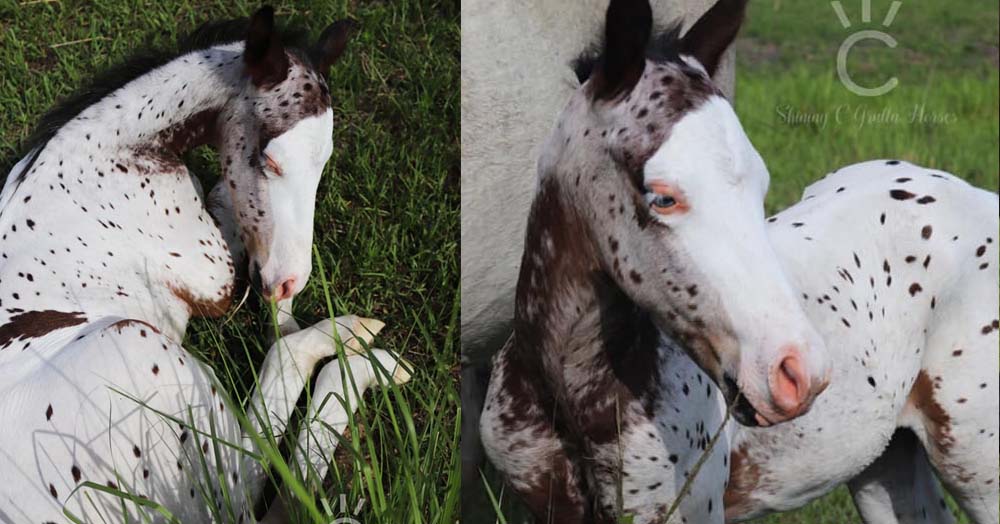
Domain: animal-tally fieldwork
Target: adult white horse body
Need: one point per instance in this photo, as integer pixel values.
(108, 248)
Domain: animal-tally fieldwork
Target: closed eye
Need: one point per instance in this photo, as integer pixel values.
(271, 165)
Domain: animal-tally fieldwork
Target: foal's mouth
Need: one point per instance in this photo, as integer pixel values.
(742, 410)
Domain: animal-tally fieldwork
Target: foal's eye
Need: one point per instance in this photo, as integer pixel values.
(663, 201)
(271, 165)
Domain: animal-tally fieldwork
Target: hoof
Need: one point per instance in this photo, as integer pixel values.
(360, 332)
(401, 375)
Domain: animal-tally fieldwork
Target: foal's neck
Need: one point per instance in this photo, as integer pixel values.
(115, 218)
(571, 316)
(174, 105)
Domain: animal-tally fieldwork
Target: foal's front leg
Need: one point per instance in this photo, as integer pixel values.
(287, 366)
(339, 388)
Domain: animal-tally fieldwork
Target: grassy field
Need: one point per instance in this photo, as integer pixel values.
(386, 231)
(946, 65)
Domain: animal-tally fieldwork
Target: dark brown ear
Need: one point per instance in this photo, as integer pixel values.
(264, 55)
(331, 44)
(626, 32)
(711, 35)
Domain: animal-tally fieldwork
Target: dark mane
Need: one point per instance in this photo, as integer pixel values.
(662, 47)
(138, 64)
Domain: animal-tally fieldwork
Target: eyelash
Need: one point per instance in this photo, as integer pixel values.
(270, 164)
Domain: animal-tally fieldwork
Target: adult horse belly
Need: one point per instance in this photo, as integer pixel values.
(515, 79)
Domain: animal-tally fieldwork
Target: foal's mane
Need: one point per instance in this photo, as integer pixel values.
(662, 47)
(138, 64)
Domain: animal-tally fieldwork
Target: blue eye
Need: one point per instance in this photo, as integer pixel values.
(663, 201)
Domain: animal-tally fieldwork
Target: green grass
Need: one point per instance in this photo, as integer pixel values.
(947, 71)
(386, 229)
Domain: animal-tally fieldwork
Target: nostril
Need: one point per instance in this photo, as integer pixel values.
(790, 387)
(285, 290)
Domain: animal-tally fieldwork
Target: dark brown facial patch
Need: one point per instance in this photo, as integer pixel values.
(34, 324)
(302, 94)
(645, 116)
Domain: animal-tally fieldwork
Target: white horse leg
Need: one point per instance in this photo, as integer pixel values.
(286, 367)
(339, 388)
(900, 486)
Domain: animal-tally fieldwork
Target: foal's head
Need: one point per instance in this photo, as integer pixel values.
(275, 139)
(653, 159)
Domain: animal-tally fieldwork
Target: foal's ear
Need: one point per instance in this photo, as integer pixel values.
(264, 55)
(711, 35)
(626, 32)
(331, 44)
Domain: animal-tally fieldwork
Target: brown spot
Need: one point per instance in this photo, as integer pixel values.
(744, 480)
(48, 413)
(34, 324)
(936, 420)
(120, 325)
(927, 199)
(75, 471)
(926, 231)
(915, 288)
(207, 308)
(901, 194)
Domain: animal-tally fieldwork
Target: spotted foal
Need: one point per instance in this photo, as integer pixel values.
(108, 248)
(648, 219)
